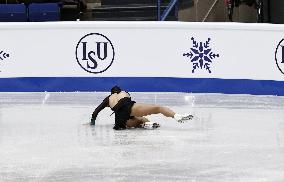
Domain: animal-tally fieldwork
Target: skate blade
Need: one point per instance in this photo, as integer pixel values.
(189, 117)
(150, 125)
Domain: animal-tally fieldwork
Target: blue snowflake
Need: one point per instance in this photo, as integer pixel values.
(201, 55)
(3, 55)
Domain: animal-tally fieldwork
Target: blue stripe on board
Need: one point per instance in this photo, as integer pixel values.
(142, 84)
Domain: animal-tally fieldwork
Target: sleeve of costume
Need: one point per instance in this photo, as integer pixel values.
(103, 105)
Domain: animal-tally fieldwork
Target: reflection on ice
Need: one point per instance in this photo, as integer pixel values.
(232, 138)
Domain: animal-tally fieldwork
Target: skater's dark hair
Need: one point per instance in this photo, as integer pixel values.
(115, 89)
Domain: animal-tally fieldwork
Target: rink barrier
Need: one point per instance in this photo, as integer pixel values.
(143, 84)
(230, 58)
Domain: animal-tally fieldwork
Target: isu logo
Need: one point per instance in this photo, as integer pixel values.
(279, 56)
(95, 53)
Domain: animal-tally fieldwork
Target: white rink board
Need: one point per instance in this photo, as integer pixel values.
(48, 49)
(95, 50)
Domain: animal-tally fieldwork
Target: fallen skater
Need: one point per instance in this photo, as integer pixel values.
(129, 114)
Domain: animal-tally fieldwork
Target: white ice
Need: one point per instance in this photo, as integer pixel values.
(233, 138)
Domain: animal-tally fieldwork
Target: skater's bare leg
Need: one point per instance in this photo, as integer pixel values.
(140, 109)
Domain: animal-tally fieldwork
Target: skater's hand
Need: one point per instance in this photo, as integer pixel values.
(93, 121)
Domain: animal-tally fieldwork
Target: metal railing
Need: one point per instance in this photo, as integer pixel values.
(161, 16)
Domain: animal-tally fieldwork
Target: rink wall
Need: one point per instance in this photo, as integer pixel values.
(229, 58)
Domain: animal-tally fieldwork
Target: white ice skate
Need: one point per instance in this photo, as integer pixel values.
(150, 125)
(181, 118)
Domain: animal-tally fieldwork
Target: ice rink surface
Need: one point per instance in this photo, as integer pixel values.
(233, 138)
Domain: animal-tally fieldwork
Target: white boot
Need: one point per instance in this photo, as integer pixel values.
(182, 117)
(150, 125)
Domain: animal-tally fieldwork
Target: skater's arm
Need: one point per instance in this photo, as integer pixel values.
(103, 105)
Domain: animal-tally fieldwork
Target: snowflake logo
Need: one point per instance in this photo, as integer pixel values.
(201, 55)
(3, 56)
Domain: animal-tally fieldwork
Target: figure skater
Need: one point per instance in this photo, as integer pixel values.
(129, 114)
